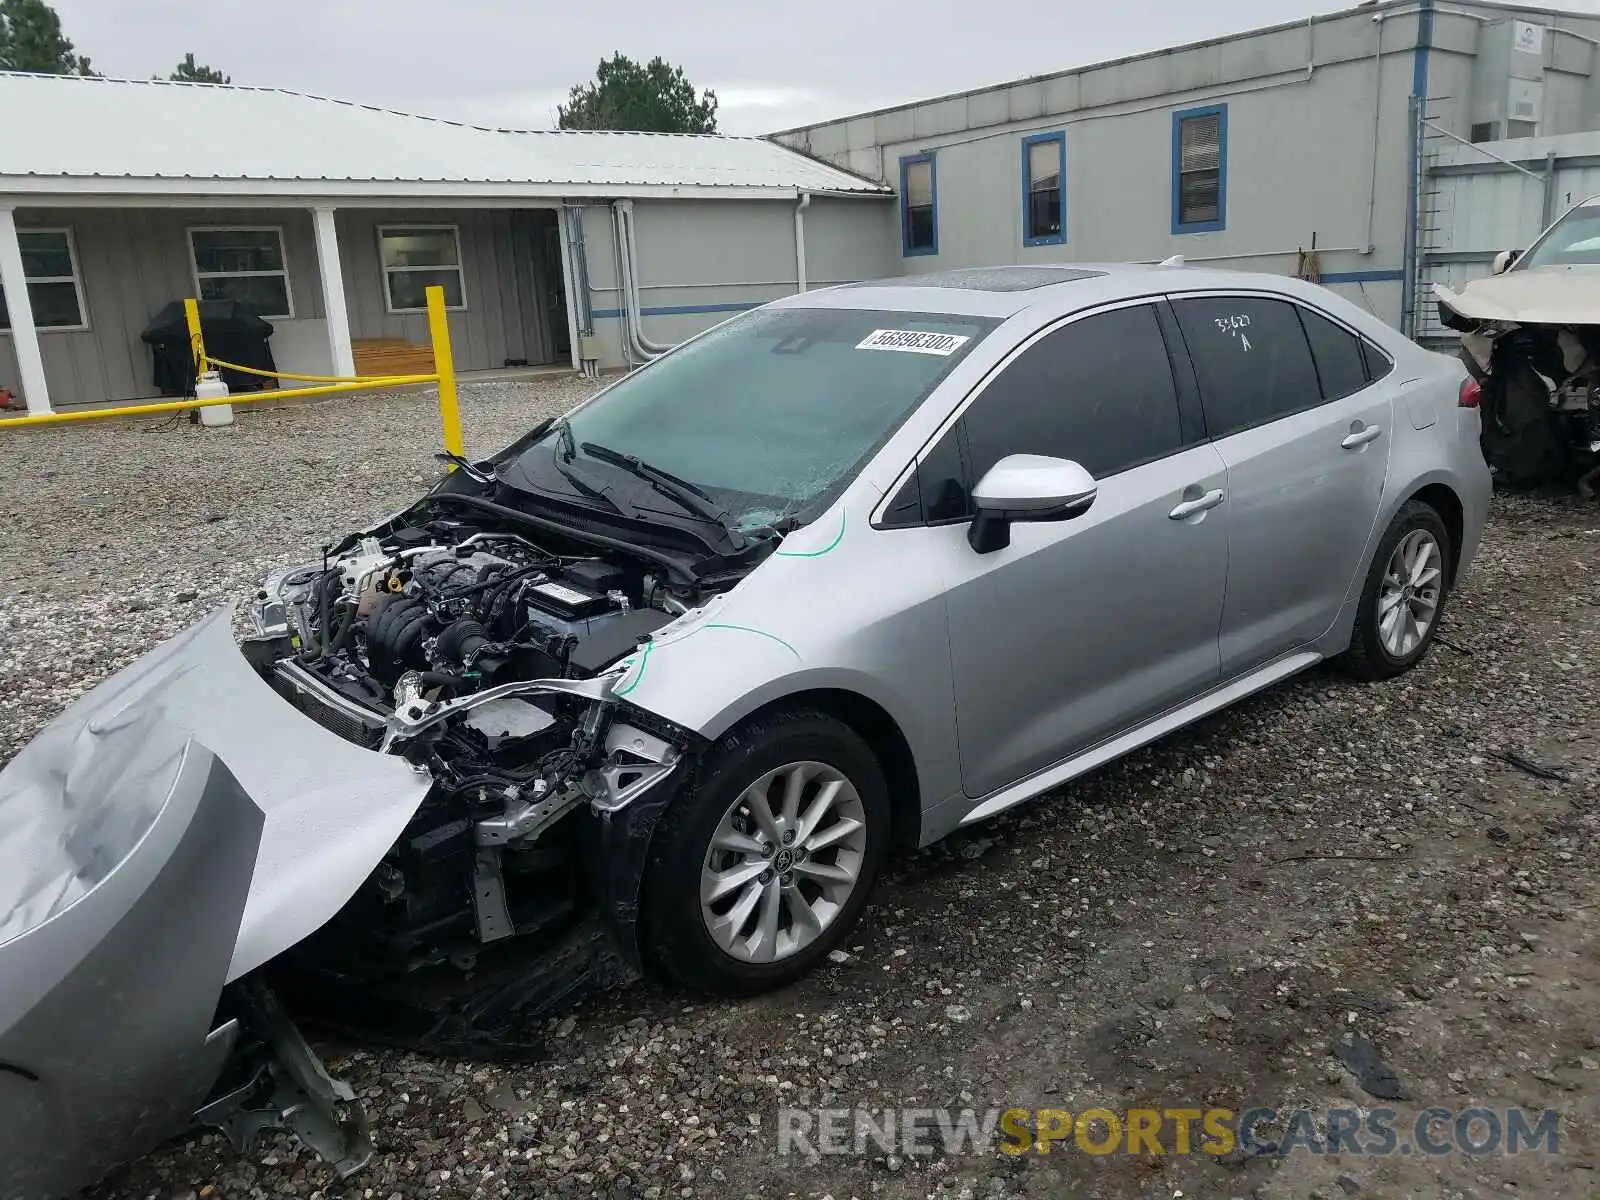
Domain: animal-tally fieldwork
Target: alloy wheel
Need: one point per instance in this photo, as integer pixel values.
(783, 862)
(1408, 599)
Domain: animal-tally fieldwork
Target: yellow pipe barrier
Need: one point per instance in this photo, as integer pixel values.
(444, 364)
(170, 406)
(197, 340)
(219, 362)
(445, 377)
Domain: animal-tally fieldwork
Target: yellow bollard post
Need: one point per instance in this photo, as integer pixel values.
(444, 365)
(197, 341)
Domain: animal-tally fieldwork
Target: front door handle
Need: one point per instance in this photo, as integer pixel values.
(1190, 508)
(1360, 437)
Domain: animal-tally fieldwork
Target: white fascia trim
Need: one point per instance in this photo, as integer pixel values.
(347, 194)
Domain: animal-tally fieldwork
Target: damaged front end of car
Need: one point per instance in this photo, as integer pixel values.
(1530, 337)
(488, 662)
(413, 805)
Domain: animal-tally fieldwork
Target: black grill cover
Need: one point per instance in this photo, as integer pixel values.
(231, 331)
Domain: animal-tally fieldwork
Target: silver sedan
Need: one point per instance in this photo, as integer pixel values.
(661, 683)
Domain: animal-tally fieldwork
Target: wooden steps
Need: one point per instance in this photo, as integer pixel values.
(391, 356)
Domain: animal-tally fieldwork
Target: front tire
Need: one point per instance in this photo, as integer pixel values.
(1403, 597)
(764, 863)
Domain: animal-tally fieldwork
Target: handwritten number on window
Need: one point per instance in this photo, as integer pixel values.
(1236, 324)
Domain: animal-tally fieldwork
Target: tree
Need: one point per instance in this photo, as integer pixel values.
(31, 40)
(654, 98)
(189, 71)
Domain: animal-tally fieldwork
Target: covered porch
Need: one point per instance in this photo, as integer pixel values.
(341, 284)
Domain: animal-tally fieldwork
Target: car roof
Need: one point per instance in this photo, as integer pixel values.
(1004, 291)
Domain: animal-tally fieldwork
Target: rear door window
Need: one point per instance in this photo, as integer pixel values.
(1098, 391)
(1337, 354)
(1252, 359)
(1378, 363)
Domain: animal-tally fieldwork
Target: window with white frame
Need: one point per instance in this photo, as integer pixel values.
(415, 258)
(246, 264)
(55, 289)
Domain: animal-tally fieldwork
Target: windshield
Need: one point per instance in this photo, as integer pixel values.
(1573, 241)
(773, 412)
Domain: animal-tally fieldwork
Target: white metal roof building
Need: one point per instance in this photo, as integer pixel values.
(118, 196)
(106, 137)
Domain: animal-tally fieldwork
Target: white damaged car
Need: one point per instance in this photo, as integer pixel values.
(1530, 335)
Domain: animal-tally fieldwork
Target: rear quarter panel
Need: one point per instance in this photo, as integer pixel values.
(1435, 441)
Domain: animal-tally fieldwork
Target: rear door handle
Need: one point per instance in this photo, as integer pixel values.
(1190, 508)
(1361, 437)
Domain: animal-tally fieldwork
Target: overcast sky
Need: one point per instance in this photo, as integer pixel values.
(772, 64)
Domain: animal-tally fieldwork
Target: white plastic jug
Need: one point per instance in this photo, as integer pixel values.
(211, 387)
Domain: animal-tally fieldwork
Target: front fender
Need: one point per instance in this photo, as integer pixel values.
(863, 612)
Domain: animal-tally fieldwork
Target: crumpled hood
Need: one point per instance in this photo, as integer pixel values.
(75, 803)
(1542, 296)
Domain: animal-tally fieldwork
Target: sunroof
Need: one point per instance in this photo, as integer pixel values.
(993, 279)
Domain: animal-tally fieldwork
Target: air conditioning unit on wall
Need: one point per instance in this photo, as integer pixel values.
(1508, 80)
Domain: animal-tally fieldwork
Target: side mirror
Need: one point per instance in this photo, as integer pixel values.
(1027, 487)
(1504, 261)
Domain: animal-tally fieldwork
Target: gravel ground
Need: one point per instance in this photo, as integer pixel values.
(1192, 926)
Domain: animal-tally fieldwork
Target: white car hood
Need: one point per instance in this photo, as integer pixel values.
(1541, 296)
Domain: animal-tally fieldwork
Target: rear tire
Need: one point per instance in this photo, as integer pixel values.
(765, 861)
(1403, 597)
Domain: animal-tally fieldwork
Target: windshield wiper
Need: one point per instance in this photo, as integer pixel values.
(686, 494)
(595, 491)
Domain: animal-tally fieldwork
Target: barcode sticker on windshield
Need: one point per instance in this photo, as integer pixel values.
(911, 341)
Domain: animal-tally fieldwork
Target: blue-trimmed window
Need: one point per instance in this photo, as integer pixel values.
(1200, 169)
(1044, 189)
(919, 205)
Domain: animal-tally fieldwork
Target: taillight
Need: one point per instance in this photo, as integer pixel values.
(1471, 393)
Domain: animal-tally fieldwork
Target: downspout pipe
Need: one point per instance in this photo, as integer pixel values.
(575, 262)
(632, 304)
(630, 351)
(800, 241)
(631, 262)
(1377, 128)
(1418, 114)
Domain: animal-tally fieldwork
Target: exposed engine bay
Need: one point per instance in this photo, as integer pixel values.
(479, 656)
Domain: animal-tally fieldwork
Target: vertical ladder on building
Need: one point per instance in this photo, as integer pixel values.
(1432, 220)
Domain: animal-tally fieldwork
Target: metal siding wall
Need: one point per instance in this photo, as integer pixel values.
(851, 240)
(601, 282)
(722, 256)
(490, 329)
(1238, 62)
(131, 262)
(1299, 153)
(1300, 150)
(753, 243)
(1283, 186)
(702, 262)
(1476, 215)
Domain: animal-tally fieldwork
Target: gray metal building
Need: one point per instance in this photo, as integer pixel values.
(330, 219)
(1240, 152)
